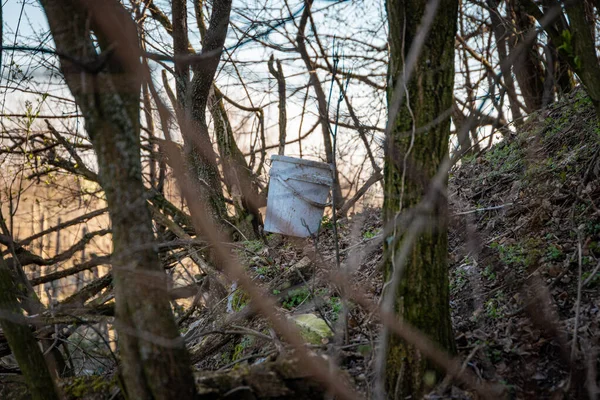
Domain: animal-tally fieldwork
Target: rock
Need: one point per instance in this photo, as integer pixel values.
(313, 329)
(303, 267)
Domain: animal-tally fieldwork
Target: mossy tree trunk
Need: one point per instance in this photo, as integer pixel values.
(527, 65)
(574, 40)
(201, 156)
(410, 163)
(192, 98)
(22, 343)
(106, 87)
(239, 179)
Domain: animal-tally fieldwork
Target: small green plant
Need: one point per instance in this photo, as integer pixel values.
(592, 228)
(458, 280)
(295, 297)
(264, 271)
(335, 304)
(582, 101)
(553, 253)
(326, 222)
(594, 247)
(505, 157)
(595, 280)
(364, 349)
(489, 273)
(495, 355)
(518, 255)
(371, 233)
(494, 307)
(225, 357)
(253, 246)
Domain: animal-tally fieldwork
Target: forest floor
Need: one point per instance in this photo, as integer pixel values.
(524, 256)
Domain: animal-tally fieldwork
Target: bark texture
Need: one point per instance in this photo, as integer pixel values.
(200, 155)
(106, 87)
(501, 36)
(527, 66)
(239, 179)
(573, 39)
(238, 176)
(20, 338)
(280, 78)
(411, 160)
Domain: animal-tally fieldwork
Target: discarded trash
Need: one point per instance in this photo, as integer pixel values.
(298, 192)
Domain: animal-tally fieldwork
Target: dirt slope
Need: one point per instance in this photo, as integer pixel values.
(525, 236)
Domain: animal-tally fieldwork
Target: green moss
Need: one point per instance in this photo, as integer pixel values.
(239, 300)
(85, 386)
(239, 349)
(313, 329)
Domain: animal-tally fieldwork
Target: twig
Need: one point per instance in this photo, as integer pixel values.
(592, 386)
(578, 303)
(236, 228)
(262, 355)
(483, 209)
(444, 385)
(240, 331)
(592, 275)
(280, 78)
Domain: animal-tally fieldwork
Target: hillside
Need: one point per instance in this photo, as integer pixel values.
(524, 236)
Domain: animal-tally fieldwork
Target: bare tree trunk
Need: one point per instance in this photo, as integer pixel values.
(574, 40)
(199, 151)
(238, 176)
(501, 35)
(321, 99)
(527, 66)
(180, 48)
(279, 77)
(22, 343)
(192, 98)
(155, 363)
(411, 162)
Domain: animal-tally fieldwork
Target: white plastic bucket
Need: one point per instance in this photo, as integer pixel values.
(298, 192)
